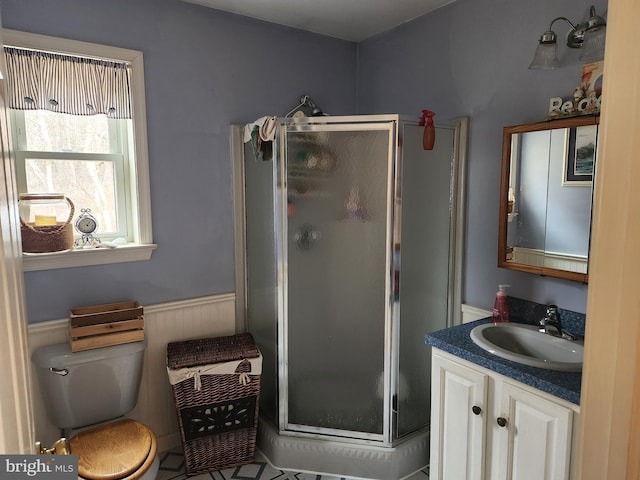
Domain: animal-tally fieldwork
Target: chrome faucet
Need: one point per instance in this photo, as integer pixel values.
(551, 324)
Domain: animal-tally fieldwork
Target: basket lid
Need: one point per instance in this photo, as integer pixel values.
(204, 351)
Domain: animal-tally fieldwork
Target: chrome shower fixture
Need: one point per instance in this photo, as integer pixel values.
(588, 35)
(305, 101)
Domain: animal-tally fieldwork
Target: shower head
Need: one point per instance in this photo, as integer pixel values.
(305, 101)
(315, 110)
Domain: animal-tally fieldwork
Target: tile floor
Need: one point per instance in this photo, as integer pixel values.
(172, 468)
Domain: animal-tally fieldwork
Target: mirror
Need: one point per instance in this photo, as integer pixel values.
(545, 197)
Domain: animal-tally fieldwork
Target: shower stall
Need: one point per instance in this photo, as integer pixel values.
(349, 256)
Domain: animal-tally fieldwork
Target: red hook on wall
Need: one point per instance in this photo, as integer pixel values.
(429, 135)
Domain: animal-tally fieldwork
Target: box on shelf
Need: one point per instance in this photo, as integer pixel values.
(105, 325)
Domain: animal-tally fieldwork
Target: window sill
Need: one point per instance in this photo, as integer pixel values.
(86, 257)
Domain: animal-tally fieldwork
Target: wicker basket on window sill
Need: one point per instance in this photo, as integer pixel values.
(55, 235)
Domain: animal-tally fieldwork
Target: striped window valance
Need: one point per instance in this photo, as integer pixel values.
(67, 84)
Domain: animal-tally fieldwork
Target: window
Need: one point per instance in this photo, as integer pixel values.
(97, 160)
(84, 157)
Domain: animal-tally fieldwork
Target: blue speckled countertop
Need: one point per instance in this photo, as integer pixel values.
(457, 341)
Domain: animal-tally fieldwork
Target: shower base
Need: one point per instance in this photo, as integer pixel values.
(333, 457)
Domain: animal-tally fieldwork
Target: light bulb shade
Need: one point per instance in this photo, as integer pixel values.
(593, 46)
(546, 56)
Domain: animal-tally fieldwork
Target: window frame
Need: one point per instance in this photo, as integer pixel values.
(142, 245)
(118, 158)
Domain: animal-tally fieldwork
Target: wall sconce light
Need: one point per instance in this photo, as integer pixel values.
(588, 35)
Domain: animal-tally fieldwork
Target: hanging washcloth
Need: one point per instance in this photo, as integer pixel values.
(266, 127)
(261, 133)
(256, 143)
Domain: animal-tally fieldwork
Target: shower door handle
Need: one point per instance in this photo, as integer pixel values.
(306, 237)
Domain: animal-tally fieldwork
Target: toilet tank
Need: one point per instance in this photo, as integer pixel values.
(88, 387)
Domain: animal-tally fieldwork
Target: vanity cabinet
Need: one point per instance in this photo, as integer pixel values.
(486, 426)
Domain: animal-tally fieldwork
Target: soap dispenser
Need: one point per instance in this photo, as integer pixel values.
(429, 135)
(500, 309)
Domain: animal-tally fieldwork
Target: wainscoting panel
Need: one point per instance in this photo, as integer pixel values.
(471, 313)
(539, 258)
(197, 318)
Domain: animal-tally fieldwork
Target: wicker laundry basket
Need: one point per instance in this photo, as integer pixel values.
(216, 387)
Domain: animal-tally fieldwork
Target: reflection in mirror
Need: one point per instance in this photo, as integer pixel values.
(545, 197)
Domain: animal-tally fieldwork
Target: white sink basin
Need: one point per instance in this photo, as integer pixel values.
(526, 345)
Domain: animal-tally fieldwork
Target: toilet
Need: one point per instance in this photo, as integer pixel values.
(87, 394)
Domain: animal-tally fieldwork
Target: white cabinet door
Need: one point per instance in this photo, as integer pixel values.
(535, 441)
(458, 412)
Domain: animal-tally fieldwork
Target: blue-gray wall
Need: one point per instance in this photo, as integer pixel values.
(471, 59)
(206, 70)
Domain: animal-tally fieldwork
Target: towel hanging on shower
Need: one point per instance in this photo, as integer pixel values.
(266, 127)
(261, 134)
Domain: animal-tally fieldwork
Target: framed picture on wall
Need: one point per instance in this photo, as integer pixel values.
(580, 160)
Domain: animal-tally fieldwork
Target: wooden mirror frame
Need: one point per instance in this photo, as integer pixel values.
(504, 195)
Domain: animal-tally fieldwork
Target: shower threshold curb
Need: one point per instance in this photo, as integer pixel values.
(344, 459)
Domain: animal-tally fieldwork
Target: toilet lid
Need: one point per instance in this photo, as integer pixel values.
(113, 450)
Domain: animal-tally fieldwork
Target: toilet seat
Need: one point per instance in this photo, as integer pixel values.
(122, 450)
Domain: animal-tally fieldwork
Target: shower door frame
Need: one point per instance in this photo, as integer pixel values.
(318, 124)
(458, 213)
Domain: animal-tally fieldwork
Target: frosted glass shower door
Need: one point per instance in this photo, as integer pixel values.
(426, 224)
(337, 290)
